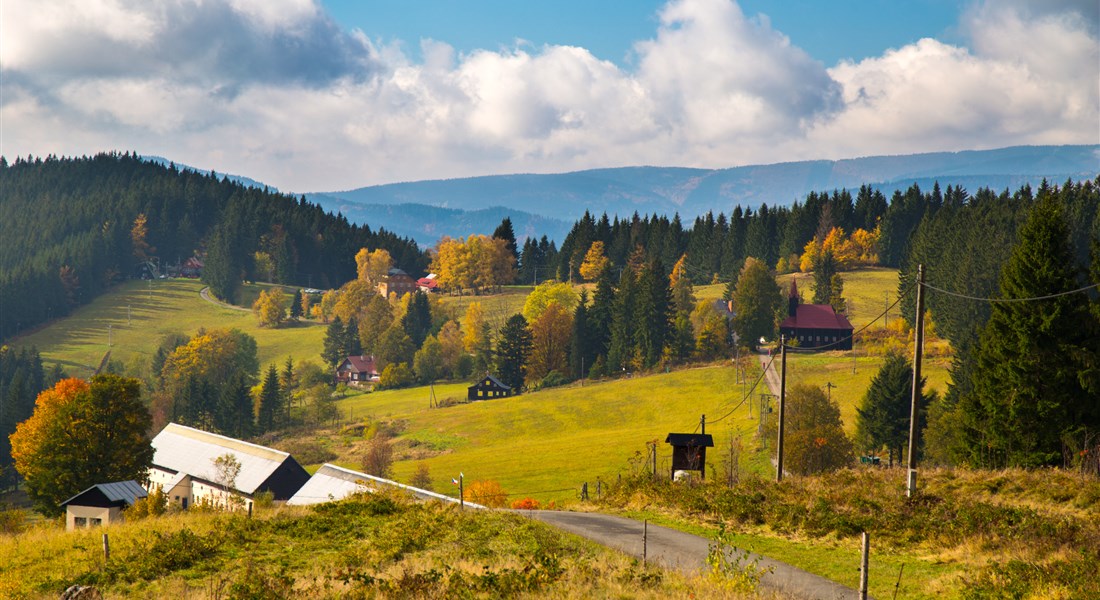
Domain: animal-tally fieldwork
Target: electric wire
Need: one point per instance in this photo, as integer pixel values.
(858, 331)
(1032, 299)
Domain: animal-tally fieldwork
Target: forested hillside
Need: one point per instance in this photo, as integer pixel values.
(72, 227)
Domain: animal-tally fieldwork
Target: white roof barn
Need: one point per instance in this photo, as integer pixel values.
(330, 483)
(180, 450)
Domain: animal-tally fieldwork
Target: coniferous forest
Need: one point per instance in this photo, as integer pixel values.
(72, 227)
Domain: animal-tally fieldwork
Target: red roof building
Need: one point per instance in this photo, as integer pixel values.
(815, 326)
(357, 371)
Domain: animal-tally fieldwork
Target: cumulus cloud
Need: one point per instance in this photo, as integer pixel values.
(277, 91)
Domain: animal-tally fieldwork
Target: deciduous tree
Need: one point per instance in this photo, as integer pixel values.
(549, 342)
(81, 434)
(595, 262)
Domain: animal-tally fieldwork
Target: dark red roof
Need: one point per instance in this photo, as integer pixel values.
(427, 282)
(363, 364)
(816, 316)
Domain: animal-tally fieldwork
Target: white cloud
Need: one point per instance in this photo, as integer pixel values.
(278, 92)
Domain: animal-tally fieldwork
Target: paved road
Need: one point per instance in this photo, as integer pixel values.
(685, 552)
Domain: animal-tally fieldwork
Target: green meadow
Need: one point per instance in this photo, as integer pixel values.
(134, 317)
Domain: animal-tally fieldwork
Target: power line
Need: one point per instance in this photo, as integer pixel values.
(748, 394)
(1032, 299)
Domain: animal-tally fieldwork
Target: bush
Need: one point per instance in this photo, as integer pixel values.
(526, 504)
(486, 493)
(396, 376)
(379, 457)
(153, 505)
(308, 451)
(422, 478)
(553, 379)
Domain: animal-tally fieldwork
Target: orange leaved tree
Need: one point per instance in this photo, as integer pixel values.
(82, 433)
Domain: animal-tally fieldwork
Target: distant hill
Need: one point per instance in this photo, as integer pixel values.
(426, 224)
(690, 192)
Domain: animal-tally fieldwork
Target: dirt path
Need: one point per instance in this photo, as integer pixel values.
(205, 293)
(685, 552)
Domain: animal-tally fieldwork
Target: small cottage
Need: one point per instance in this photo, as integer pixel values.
(101, 504)
(488, 387)
(357, 371)
(815, 326)
(689, 452)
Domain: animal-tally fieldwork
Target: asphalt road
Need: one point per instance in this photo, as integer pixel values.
(685, 552)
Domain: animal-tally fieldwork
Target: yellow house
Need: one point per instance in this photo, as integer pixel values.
(101, 504)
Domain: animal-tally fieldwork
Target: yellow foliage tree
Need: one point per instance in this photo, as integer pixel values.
(550, 336)
(142, 249)
(547, 293)
(270, 307)
(472, 327)
(595, 261)
(373, 266)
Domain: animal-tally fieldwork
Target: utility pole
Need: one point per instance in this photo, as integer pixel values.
(703, 424)
(108, 335)
(886, 315)
(782, 401)
(918, 351)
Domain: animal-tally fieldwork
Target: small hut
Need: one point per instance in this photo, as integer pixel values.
(689, 452)
(101, 504)
(488, 387)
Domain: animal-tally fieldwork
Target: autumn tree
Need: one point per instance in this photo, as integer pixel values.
(550, 334)
(194, 376)
(814, 439)
(270, 307)
(451, 349)
(82, 434)
(545, 294)
(376, 318)
(373, 266)
(756, 303)
(138, 234)
(595, 261)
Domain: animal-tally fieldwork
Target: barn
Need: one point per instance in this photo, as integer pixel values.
(183, 466)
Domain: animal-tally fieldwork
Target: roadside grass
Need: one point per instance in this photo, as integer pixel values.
(955, 539)
(381, 545)
(140, 313)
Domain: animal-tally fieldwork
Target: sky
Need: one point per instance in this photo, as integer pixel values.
(325, 95)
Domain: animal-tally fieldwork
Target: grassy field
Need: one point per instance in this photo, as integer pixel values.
(497, 307)
(136, 315)
(378, 546)
(545, 444)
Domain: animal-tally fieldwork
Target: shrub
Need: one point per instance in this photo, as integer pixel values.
(308, 451)
(153, 505)
(379, 457)
(12, 521)
(486, 493)
(422, 478)
(526, 504)
(553, 379)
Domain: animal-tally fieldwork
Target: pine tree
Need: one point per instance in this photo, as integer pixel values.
(417, 321)
(351, 343)
(653, 314)
(580, 348)
(882, 420)
(296, 305)
(1028, 397)
(270, 400)
(513, 351)
(333, 353)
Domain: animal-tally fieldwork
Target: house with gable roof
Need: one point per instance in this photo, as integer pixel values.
(183, 467)
(815, 326)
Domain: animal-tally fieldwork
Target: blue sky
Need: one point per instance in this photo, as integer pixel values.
(321, 95)
(829, 31)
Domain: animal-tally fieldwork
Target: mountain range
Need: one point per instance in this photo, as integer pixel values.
(548, 204)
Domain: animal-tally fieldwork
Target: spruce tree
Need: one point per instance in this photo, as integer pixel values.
(417, 321)
(352, 345)
(580, 347)
(882, 420)
(512, 352)
(333, 352)
(270, 400)
(296, 305)
(1028, 396)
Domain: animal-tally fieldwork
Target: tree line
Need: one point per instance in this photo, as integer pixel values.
(72, 227)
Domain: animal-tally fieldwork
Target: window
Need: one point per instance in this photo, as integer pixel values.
(95, 522)
(80, 522)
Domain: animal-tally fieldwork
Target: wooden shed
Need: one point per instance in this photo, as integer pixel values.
(101, 504)
(488, 387)
(689, 451)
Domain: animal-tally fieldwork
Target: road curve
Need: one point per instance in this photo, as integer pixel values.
(685, 552)
(205, 293)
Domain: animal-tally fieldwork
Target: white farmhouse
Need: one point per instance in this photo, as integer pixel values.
(183, 466)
